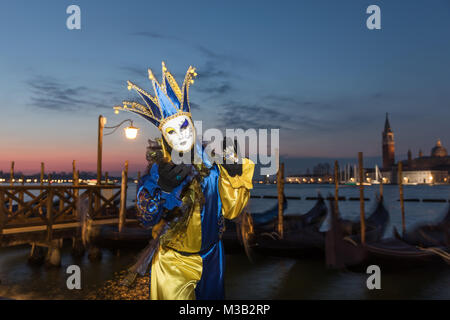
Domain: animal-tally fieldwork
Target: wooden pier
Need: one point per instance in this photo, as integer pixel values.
(52, 211)
(44, 215)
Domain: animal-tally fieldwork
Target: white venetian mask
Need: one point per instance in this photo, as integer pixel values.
(179, 133)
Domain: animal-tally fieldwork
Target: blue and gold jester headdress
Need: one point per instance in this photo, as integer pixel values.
(169, 101)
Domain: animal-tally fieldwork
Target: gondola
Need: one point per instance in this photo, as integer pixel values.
(342, 247)
(261, 222)
(301, 235)
(435, 235)
(375, 224)
(393, 253)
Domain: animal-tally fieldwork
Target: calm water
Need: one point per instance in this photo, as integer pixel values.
(268, 278)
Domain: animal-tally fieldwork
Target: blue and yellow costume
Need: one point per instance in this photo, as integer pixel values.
(193, 268)
(190, 266)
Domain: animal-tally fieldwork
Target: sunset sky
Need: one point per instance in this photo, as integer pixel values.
(310, 68)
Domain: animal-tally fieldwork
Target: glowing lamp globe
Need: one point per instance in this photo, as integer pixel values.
(131, 132)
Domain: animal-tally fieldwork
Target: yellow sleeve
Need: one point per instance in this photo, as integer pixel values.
(235, 191)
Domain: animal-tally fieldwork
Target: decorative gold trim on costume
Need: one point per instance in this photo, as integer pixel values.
(131, 85)
(166, 155)
(168, 98)
(135, 107)
(180, 113)
(173, 83)
(152, 78)
(188, 80)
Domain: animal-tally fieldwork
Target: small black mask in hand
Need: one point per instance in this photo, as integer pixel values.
(172, 175)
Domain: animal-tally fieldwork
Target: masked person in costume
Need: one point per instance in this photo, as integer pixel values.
(186, 203)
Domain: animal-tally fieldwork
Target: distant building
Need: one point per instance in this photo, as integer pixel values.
(425, 176)
(388, 145)
(438, 159)
(423, 169)
(428, 169)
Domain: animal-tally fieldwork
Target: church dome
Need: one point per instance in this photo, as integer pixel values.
(439, 150)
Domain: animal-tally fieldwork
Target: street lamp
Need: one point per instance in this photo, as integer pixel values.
(130, 133)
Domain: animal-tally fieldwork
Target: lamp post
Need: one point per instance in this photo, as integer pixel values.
(130, 133)
(101, 126)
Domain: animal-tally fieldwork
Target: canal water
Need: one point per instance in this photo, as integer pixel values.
(267, 278)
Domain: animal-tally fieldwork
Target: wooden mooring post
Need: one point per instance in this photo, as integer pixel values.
(78, 248)
(138, 179)
(336, 186)
(49, 213)
(361, 198)
(76, 192)
(381, 188)
(101, 125)
(42, 173)
(2, 212)
(123, 198)
(400, 186)
(280, 187)
(11, 181)
(19, 206)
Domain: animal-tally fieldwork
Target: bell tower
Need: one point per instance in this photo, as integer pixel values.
(388, 145)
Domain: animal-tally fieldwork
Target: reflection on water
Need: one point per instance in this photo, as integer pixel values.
(267, 278)
(22, 281)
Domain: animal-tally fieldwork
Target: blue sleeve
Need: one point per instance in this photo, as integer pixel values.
(149, 209)
(151, 200)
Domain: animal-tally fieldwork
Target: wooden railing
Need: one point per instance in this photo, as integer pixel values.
(52, 205)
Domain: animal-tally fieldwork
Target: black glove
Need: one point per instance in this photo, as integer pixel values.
(233, 169)
(230, 149)
(171, 175)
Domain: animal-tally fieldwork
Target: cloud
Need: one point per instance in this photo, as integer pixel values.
(237, 115)
(214, 81)
(194, 106)
(223, 58)
(215, 78)
(154, 35)
(216, 89)
(287, 112)
(135, 71)
(50, 93)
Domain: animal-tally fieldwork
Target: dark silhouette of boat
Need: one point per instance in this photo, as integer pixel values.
(301, 235)
(260, 222)
(343, 236)
(434, 235)
(393, 253)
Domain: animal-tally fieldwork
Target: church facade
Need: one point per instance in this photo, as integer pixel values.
(432, 169)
